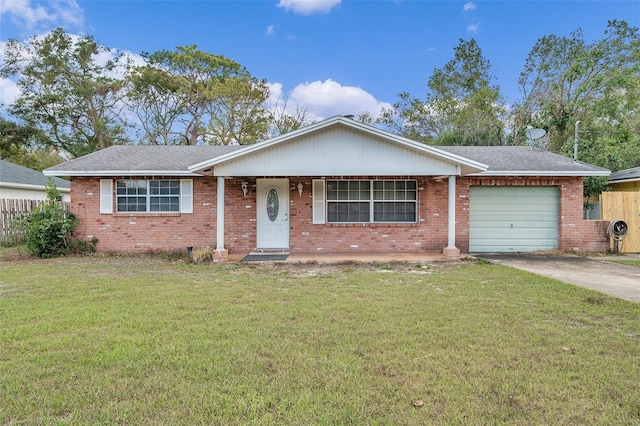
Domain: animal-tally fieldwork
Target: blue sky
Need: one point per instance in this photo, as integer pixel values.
(331, 57)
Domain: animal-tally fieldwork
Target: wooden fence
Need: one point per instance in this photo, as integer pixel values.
(9, 210)
(624, 206)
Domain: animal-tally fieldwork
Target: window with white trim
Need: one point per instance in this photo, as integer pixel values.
(161, 196)
(371, 201)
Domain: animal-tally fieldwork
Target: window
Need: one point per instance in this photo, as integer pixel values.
(138, 195)
(364, 201)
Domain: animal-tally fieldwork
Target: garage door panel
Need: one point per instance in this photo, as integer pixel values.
(508, 219)
(511, 233)
(518, 216)
(506, 247)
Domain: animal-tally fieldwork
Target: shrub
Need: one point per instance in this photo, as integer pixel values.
(202, 256)
(48, 229)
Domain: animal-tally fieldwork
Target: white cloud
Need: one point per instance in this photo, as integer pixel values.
(469, 6)
(326, 99)
(271, 30)
(28, 14)
(308, 7)
(8, 92)
(473, 28)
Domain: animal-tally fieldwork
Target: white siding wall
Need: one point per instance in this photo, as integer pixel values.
(29, 194)
(337, 151)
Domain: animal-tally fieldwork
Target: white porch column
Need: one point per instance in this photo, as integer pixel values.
(220, 215)
(451, 241)
(451, 252)
(221, 254)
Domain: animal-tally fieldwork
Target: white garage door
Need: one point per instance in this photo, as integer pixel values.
(513, 218)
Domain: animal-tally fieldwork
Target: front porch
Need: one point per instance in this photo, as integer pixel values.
(314, 257)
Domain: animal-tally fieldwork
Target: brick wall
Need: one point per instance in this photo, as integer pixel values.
(428, 235)
(240, 215)
(124, 232)
(594, 236)
(145, 232)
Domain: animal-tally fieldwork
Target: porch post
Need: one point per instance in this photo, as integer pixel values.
(221, 254)
(451, 252)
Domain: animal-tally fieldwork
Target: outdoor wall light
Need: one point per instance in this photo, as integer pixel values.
(300, 188)
(245, 187)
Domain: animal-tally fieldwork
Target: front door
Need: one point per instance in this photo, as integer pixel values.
(273, 214)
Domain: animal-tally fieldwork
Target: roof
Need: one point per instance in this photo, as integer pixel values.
(140, 160)
(13, 175)
(175, 160)
(523, 161)
(627, 175)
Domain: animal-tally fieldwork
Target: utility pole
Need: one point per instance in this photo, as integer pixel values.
(575, 141)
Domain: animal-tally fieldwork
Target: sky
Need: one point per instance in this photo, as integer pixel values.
(330, 57)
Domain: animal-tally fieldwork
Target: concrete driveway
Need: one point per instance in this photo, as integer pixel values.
(599, 274)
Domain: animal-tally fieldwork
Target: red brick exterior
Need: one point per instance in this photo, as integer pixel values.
(145, 232)
(125, 232)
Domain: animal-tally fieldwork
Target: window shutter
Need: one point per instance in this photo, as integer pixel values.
(106, 196)
(186, 195)
(318, 201)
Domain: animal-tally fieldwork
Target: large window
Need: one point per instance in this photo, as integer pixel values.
(364, 201)
(148, 195)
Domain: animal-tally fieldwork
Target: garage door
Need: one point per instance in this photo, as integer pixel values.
(513, 219)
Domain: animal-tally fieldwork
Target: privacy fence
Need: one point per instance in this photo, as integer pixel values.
(9, 210)
(624, 206)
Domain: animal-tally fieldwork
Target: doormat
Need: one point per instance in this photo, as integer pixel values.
(265, 257)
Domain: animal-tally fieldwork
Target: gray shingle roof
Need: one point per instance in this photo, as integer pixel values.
(143, 158)
(514, 159)
(154, 159)
(626, 175)
(14, 174)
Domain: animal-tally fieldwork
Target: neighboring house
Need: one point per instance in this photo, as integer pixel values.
(23, 183)
(334, 186)
(626, 180)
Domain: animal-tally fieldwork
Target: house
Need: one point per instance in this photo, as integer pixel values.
(626, 180)
(23, 183)
(334, 186)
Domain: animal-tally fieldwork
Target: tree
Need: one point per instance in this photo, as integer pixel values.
(565, 80)
(238, 115)
(462, 106)
(189, 96)
(67, 93)
(283, 120)
(412, 118)
(156, 104)
(23, 146)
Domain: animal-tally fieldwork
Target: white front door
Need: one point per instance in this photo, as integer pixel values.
(273, 214)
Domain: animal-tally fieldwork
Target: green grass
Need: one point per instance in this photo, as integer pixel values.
(626, 262)
(140, 341)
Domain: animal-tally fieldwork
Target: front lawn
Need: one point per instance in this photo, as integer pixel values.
(118, 340)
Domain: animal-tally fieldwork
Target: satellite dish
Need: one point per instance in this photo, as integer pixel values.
(536, 136)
